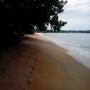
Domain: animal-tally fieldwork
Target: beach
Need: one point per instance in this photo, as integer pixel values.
(39, 64)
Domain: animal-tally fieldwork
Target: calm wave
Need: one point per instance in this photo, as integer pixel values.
(78, 44)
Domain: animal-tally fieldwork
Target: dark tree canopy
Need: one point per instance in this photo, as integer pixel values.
(22, 16)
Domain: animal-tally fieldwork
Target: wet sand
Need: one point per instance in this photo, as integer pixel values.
(38, 64)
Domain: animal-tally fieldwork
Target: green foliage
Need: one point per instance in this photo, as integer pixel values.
(22, 16)
(33, 12)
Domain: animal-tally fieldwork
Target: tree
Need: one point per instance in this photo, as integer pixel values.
(22, 16)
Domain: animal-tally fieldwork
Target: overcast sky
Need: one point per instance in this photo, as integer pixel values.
(77, 14)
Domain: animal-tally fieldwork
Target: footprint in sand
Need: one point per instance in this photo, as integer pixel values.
(31, 73)
(32, 67)
(29, 82)
(29, 77)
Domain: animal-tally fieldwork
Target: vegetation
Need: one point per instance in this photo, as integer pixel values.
(75, 31)
(68, 31)
(26, 16)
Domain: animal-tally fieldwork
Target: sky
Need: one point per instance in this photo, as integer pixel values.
(77, 15)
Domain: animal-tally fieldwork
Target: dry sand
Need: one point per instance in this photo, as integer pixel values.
(38, 64)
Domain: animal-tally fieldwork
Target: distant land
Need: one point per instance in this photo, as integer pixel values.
(67, 31)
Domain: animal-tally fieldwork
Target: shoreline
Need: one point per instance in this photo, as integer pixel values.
(80, 58)
(39, 64)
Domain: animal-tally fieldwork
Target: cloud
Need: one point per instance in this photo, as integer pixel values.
(77, 14)
(78, 5)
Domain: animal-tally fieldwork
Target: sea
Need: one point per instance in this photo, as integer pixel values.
(76, 44)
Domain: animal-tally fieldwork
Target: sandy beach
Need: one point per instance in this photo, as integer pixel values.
(38, 64)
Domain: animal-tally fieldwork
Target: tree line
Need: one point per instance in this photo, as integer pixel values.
(19, 17)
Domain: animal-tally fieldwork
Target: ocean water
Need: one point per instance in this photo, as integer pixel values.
(77, 45)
